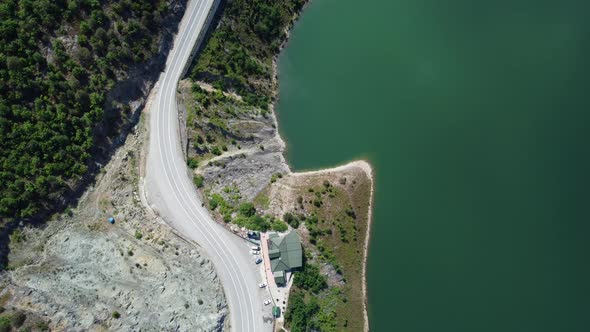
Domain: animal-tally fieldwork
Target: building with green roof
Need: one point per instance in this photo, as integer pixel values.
(285, 255)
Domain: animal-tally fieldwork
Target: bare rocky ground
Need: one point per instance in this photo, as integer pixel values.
(248, 165)
(79, 272)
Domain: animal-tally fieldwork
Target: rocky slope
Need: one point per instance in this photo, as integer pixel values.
(81, 273)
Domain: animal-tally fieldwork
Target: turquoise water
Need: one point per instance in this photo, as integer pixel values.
(476, 118)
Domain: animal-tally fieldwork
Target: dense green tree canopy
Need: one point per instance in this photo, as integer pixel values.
(58, 58)
(239, 52)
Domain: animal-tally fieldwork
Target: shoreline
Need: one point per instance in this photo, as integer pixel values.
(364, 165)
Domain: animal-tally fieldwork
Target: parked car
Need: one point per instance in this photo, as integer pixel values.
(258, 260)
(254, 252)
(267, 302)
(256, 248)
(262, 285)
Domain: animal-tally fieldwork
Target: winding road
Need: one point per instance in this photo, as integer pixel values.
(169, 189)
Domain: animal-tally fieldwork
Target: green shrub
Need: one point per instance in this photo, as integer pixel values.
(192, 163)
(17, 236)
(213, 204)
(217, 200)
(216, 151)
(275, 176)
(18, 318)
(43, 326)
(312, 220)
(310, 278)
(138, 235)
(4, 324)
(279, 226)
(300, 314)
(290, 219)
(198, 180)
(257, 223)
(247, 209)
(116, 315)
(350, 212)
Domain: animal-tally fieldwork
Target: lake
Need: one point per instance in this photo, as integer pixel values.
(476, 118)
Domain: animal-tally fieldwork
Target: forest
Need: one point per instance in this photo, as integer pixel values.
(238, 55)
(58, 60)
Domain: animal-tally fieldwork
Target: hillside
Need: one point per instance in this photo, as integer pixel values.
(72, 75)
(239, 53)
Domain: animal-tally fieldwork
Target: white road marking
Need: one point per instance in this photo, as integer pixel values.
(174, 195)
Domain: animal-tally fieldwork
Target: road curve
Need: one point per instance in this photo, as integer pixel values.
(170, 191)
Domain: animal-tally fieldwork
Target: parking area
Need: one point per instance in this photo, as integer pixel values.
(279, 294)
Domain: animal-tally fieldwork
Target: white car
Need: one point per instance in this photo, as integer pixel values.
(267, 302)
(256, 248)
(254, 252)
(262, 285)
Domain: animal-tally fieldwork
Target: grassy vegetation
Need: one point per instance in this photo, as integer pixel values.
(332, 218)
(209, 114)
(58, 59)
(237, 58)
(5, 323)
(243, 214)
(238, 55)
(312, 305)
(12, 321)
(310, 279)
(308, 312)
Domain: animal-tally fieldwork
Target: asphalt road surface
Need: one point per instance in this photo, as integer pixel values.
(170, 191)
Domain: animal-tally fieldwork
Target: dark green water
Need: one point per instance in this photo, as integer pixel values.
(476, 117)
